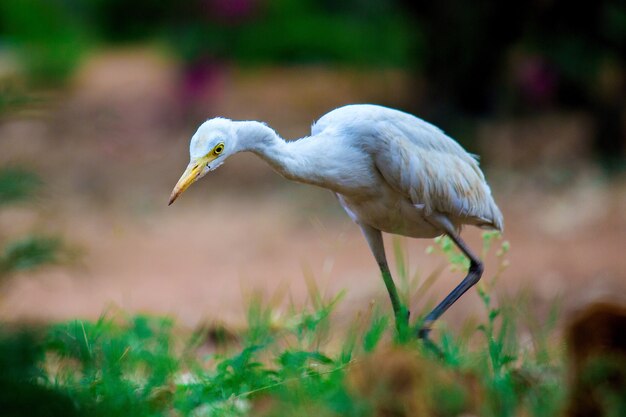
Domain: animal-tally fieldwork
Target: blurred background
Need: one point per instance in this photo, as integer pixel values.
(98, 100)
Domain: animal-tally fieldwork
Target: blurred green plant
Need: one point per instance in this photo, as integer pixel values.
(287, 364)
(12, 98)
(17, 185)
(371, 33)
(514, 377)
(121, 369)
(29, 253)
(49, 37)
(32, 251)
(25, 389)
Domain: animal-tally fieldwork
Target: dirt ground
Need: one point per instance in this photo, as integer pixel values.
(245, 230)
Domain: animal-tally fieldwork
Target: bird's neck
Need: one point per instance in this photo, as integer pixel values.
(290, 159)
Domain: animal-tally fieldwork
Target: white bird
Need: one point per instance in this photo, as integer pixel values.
(391, 171)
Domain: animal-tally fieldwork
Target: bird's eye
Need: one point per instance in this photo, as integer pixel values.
(218, 149)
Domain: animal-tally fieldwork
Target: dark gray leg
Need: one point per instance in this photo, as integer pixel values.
(375, 241)
(473, 276)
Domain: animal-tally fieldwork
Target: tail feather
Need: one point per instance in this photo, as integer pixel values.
(495, 220)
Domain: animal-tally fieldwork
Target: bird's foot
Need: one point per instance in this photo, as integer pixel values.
(423, 334)
(425, 330)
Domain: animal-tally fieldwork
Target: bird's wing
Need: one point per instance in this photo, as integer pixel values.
(418, 160)
(434, 172)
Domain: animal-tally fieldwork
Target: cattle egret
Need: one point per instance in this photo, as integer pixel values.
(392, 172)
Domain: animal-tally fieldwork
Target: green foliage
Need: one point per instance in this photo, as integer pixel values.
(119, 369)
(12, 98)
(304, 31)
(514, 377)
(299, 31)
(17, 185)
(24, 386)
(29, 252)
(50, 36)
(374, 333)
(289, 365)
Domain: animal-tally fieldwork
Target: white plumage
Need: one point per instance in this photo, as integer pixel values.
(422, 171)
(391, 171)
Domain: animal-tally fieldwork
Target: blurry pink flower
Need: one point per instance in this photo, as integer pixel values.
(201, 82)
(230, 9)
(537, 80)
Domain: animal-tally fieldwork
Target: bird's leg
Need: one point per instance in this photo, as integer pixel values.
(375, 241)
(400, 312)
(473, 276)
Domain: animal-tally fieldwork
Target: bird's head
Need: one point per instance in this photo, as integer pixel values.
(214, 141)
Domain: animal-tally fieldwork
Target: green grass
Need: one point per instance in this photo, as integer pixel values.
(28, 252)
(297, 364)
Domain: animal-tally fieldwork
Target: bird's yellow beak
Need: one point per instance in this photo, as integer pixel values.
(191, 174)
